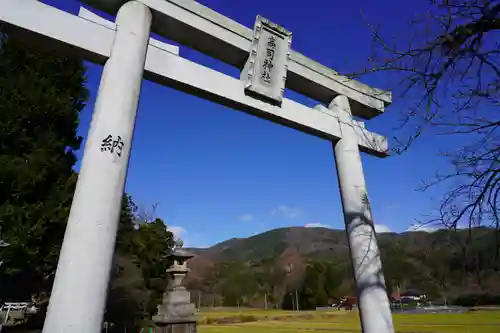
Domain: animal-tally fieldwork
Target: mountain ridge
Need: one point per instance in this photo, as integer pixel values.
(274, 262)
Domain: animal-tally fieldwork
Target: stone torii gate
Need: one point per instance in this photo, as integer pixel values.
(128, 54)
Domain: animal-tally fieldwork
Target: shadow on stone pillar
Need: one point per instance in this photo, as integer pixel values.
(176, 314)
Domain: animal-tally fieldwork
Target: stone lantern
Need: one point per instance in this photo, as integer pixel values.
(176, 314)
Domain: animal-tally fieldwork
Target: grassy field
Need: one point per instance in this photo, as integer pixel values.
(262, 321)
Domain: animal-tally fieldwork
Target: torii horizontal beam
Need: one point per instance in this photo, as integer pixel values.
(93, 41)
(190, 23)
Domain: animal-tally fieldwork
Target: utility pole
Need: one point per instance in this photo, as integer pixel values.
(297, 299)
(265, 301)
(400, 302)
(289, 270)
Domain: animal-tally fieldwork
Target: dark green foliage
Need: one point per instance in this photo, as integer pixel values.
(151, 246)
(269, 244)
(477, 300)
(126, 227)
(41, 95)
(139, 276)
(288, 302)
(320, 284)
(235, 281)
(313, 292)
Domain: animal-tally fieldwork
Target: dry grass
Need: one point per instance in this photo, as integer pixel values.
(262, 321)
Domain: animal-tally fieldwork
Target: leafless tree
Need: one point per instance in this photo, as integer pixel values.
(450, 69)
(146, 214)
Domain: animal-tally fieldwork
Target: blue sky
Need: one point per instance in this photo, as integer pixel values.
(216, 173)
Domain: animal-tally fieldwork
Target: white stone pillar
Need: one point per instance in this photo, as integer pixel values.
(79, 293)
(373, 302)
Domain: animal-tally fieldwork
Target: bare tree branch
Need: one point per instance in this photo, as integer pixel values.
(449, 70)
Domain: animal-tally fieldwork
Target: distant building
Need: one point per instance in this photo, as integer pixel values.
(414, 295)
(410, 296)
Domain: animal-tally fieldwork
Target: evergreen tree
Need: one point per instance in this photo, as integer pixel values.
(41, 95)
(320, 284)
(152, 245)
(139, 273)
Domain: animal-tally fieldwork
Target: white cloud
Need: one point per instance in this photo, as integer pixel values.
(422, 227)
(290, 212)
(188, 239)
(191, 239)
(317, 225)
(198, 246)
(382, 228)
(177, 231)
(246, 217)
